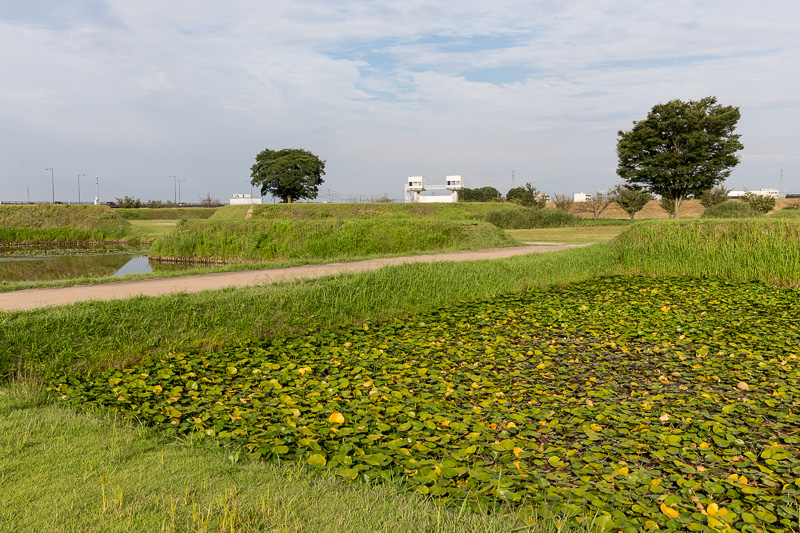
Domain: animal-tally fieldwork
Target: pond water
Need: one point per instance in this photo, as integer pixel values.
(29, 265)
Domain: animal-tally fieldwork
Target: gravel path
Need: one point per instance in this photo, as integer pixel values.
(34, 298)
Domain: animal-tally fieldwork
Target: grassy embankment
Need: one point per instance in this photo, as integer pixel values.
(766, 249)
(60, 223)
(323, 239)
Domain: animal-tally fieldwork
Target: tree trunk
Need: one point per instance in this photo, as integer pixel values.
(677, 211)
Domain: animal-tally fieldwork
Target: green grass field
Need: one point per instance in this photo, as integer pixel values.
(110, 476)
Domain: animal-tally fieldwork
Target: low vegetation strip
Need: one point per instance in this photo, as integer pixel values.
(166, 213)
(532, 218)
(640, 403)
(314, 239)
(60, 223)
(384, 211)
(765, 249)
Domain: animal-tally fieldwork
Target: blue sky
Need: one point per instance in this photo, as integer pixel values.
(135, 92)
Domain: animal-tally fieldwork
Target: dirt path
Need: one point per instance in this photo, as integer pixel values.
(34, 298)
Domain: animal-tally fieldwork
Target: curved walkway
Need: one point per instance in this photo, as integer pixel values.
(28, 299)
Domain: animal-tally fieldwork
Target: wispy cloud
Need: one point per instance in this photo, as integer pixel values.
(381, 89)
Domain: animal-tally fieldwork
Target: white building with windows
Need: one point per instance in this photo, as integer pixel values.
(581, 197)
(415, 185)
(244, 199)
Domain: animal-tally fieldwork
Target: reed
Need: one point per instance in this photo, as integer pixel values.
(765, 249)
(286, 239)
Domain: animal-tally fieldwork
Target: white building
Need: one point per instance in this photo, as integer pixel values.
(761, 192)
(581, 197)
(244, 199)
(416, 185)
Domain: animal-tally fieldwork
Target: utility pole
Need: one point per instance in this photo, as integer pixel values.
(52, 183)
(513, 179)
(780, 187)
(175, 186)
(97, 189)
(79, 187)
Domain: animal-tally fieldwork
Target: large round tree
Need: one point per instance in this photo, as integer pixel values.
(681, 149)
(289, 174)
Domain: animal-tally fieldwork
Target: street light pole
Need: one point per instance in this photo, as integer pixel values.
(52, 183)
(179, 191)
(97, 184)
(175, 186)
(79, 187)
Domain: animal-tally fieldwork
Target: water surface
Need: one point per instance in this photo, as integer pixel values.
(29, 265)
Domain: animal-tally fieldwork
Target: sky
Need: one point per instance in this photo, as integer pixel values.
(147, 95)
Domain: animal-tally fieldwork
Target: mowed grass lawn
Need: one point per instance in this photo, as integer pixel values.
(147, 230)
(568, 235)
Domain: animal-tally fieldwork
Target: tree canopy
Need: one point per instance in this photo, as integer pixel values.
(528, 196)
(681, 149)
(289, 174)
(630, 200)
(481, 194)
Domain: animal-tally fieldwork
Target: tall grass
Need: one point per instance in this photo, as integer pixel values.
(314, 239)
(60, 223)
(531, 218)
(731, 209)
(455, 211)
(766, 249)
(41, 235)
(92, 335)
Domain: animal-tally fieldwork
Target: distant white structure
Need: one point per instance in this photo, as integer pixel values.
(244, 199)
(585, 197)
(773, 193)
(581, 197)
(416, 185)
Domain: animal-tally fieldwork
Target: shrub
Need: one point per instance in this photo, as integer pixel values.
(730, 209)
(759, 202)
(128, 202)
(210, 201)
(531, 218)
(714, 196)
(630, 200)
(563, 201)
